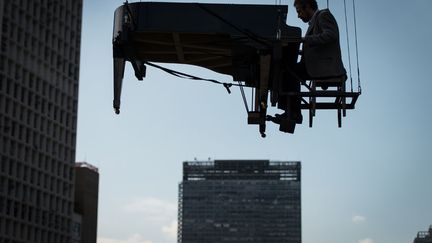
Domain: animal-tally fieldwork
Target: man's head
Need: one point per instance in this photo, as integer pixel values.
(305, 9)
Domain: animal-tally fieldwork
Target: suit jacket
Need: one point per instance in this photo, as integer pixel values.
(321, 47)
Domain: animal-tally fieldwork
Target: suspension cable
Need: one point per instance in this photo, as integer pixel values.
(188, 76)
(252, 98)
(356, 43)
(348, 44)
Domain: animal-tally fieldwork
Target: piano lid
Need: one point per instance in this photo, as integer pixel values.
(222, 37)
(263, 21)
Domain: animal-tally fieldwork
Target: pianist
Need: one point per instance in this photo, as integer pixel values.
(321, 56)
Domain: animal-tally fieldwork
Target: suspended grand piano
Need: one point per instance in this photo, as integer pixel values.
(252, 43)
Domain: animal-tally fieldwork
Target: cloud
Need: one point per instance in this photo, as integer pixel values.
(358, 219)
(367, 240)
(171, 230)
(136, 238)
(153, 209)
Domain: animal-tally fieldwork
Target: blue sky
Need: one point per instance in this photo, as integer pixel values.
(367, 182)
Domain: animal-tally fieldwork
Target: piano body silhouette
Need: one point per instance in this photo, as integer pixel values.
(252, 43)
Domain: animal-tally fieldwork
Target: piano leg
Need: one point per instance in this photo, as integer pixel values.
(263, 115)
(262, 92)
(119, 67)
(276, 73)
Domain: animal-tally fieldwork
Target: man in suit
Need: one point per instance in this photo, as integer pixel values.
(321, 58)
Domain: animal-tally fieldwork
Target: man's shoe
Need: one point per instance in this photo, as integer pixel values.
(298, 118)
(287, 126)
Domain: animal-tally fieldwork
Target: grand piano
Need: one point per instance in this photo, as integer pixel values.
(252, 43)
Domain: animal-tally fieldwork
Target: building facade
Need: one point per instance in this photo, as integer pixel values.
(39, 70)
(424, 236)
(86, 202)
(240, 201)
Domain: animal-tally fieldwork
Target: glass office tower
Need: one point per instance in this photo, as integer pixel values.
(240, 201)
(424, 236)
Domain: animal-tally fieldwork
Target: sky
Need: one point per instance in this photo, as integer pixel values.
(367, 182)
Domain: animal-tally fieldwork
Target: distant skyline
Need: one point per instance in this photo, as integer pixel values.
(367, 182)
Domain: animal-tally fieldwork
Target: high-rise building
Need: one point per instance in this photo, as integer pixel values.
(39, 70)
(424, 236)
(86, 202)
(240, 201)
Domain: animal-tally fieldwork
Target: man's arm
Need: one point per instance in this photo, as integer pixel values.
(329, 30)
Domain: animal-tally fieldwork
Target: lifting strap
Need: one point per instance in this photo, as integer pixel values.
(188, 76)
(227, 86)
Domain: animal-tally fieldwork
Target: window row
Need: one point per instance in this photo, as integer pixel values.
(12, 231)
(43, 42)
(39, 18)
(41, 201)
(36, 168)
(15, 148)
(28, 192)
(26, 124)
(42, 59)
(53, 85)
